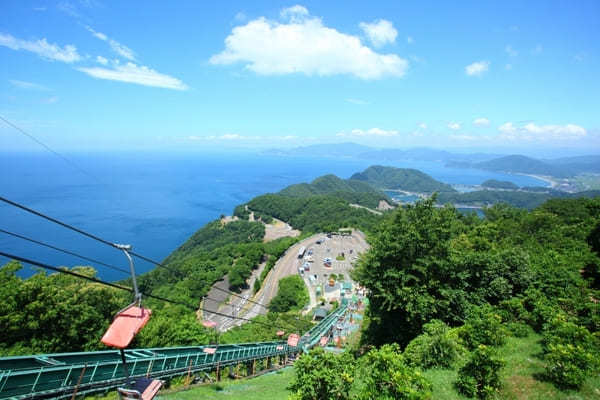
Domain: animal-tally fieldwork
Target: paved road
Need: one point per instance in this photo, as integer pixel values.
(288, 265)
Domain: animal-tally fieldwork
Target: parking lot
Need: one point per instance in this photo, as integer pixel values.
(321, 256)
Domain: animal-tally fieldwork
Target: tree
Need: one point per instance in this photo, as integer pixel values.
(479, 376)
(385, 376)
(322, 375)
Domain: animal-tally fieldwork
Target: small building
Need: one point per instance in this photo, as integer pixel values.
(347, 287)
(320, 313)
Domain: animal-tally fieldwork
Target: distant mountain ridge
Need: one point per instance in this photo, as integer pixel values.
(406, 179)
(559, 168)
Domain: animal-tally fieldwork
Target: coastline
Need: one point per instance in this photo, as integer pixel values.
(553, 183)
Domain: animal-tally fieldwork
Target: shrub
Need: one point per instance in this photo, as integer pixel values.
(518, 329)
(386, 376)
(479, 377)
(484, 326)
(571, 352)
(322, 375)
(560, 331)
(438, 346)
(568, 366)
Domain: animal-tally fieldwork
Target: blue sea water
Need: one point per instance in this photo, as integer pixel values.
(154, 201)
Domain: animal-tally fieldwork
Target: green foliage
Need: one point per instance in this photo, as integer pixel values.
(292, 295)
(241, 212)
(53, 313)
(484, 326)
(425, 263)
(572, 353)
(496, 184)
(322, 375)
(386, 376)
(264, 328)
(437, 346)
(392, 178)
(353, 191)
(173, 327)
(318, 213)
(568, 366)
(479, 377)
(518, 329)
(521, 199)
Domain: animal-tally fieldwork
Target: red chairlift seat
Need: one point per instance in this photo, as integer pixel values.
(209, 324)
(293, 340)
(125, 326)
(143, 389)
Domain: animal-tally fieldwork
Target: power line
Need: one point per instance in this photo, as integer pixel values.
(65, 159)
(64, 251)
(113, 285)
(108, 243)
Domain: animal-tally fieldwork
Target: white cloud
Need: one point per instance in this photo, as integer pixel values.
(357, 101)
(380, 32)
(534, 132)
(422, 125)
(304, 45)
(410, 40)
(117, 47)
(510, 51)
(454, 126)
(294, 13)
(477, 68)
(42, 48)
(102, 60)
(570, 130)
(370, 132)
(138, 74)
(508, 67)
(231, 136)
(27, 85)
(481, 121)
(537, 50)
(507, 127)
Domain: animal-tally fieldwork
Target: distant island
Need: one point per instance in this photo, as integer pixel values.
(571, 174)
(496, 184)
(404, 179)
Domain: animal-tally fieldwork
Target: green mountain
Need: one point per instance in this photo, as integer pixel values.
(495, 184)
(410, 180)
(329, 184)
(523, 165)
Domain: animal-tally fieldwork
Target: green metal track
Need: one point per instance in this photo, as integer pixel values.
(57, 375)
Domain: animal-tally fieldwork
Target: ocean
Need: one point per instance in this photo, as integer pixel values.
(155, 201)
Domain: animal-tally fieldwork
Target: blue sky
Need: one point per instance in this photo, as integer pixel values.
(98, 75)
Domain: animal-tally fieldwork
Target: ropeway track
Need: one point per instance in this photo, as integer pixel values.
(59, 375)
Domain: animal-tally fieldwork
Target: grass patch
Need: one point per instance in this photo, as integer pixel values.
(522, 377)
(271, 386)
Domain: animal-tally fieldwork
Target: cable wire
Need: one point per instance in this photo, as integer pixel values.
(113, 285)
(64, 251)
(114, 245)
(65, 159)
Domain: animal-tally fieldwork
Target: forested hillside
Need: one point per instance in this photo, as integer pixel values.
(501, 307)
(410, 180)
(319, 213)
(353, 191)
(526, 198)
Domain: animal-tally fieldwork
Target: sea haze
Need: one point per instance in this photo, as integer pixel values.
(156, 201)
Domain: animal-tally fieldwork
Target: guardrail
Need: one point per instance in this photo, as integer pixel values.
(58, 375)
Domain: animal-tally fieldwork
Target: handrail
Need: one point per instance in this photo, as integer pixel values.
(26, 377)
